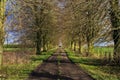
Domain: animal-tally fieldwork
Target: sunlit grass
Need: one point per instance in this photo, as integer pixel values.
(103, 51)
(95, 68)
(22, 71)
(98, 72)
(17, 72)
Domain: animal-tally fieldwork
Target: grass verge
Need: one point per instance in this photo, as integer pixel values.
(95, 68)
(22, 71)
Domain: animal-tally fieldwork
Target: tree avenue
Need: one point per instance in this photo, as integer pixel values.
(35, 22)
(44, 39)
(86, 22)
(78, 24)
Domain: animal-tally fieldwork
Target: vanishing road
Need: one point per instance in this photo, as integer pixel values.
(59, 67)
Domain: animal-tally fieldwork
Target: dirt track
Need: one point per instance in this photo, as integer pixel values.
(59, 67)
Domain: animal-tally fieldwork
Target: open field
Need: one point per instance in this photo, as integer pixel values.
(103, 52)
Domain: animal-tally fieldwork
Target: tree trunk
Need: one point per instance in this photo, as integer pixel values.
(116, 37)
(80, 46)
(38, 33)
(1, 53)
(116, 30)
(74, 45)
(71, 45)
(44, 43)
(47, 45)
(38, 43)
(2, 20)
(90, 48)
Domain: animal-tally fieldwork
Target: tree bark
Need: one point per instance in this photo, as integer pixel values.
(47, 46)
(44, 43)
(2, 20)
(80, 46)
(1, 53)
(74, 45)
(90, 48)
(38, 43)
(71, 45)
(116, 29)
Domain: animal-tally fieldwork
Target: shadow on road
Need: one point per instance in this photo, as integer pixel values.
(48, 75)
(58, 67)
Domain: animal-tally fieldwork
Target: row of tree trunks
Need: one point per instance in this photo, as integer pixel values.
(78, 43)
(74, 46)
(41, 43)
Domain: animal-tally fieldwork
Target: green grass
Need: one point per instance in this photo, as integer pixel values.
(103, 49)
(17, 49)
(11, 49)
(101, 72)
(43, 56)
(18, 72)
(22, 71)
(95, 68)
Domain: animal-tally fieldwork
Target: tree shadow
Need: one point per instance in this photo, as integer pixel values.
(94, 62)
(40, 72)
(49, 69)
(39, 75)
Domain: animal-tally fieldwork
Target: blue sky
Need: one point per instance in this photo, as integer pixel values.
(104, 43)
(9, 35)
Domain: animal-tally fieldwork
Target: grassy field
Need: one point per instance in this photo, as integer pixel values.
(103, 52)
(21, 71)
(17, 49)
(103, 49)
(96, 68)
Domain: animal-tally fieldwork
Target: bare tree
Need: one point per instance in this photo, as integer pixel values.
(34, 21)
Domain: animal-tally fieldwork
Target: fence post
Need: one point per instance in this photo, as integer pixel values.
(109, 57)
(105, 56)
